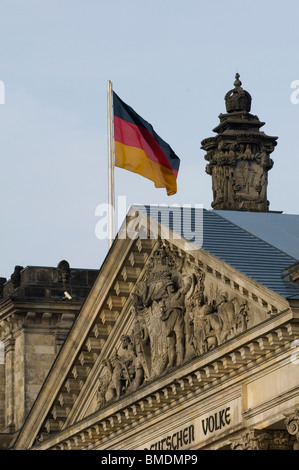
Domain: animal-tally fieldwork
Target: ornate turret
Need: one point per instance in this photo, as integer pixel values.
(239, 156)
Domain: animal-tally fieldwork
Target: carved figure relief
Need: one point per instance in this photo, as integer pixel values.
(239, 182)
(177, 316)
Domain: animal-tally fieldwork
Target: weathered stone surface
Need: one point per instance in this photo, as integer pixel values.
(35, 317)
(177, 315)
(239, 156)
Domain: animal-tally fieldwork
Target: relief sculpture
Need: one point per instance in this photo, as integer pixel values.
(239, 156)
(177, 315)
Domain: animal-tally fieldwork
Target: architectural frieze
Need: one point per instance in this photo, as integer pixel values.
(175, 318)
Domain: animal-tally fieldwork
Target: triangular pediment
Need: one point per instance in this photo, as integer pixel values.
(157, 306)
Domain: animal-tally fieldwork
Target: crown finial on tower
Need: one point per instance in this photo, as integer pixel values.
(237, 82)
(237, 99)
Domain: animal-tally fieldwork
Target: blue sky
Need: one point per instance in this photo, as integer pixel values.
(172, 61)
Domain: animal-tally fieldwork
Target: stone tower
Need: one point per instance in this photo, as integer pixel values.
(38, 307)
(239, 156)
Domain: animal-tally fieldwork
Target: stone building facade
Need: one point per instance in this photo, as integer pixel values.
(38, 306)
(178, 342)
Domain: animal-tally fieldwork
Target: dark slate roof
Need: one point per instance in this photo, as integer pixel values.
(280, 230)
(253, 256)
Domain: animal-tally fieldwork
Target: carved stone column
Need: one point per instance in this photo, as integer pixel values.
(9, 331)
(9, 420)
(292, 424)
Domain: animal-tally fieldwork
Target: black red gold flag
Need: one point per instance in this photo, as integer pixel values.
(139, 149)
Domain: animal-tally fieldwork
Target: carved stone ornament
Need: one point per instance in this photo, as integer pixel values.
(16, 276)
(239, 156)
(176, 317)
(63, 270)
(251, 439)
(292, 424)
(2, 282)
(255, 439)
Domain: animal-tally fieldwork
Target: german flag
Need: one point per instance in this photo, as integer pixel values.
(139, 149)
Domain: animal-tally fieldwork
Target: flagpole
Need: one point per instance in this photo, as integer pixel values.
(111, 196)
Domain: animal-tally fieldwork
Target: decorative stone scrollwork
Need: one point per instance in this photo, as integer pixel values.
(281, 440)
(251, 439)
(292, 424)
(254, 439)
(177, 316)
